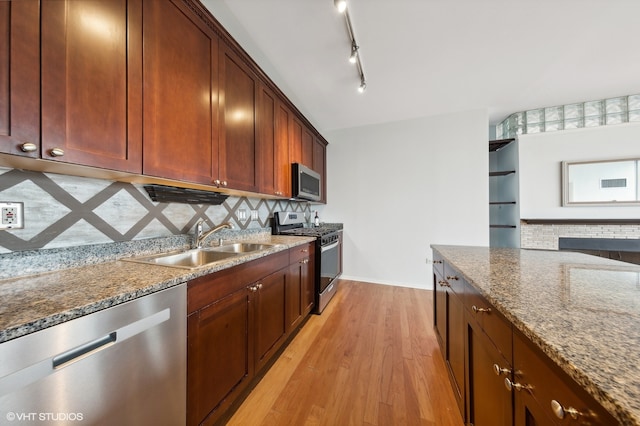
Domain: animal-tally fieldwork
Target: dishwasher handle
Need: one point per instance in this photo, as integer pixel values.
(71, 355)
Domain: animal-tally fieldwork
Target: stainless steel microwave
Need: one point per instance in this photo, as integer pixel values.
(307, 184)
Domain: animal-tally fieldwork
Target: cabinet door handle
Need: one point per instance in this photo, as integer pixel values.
(57, 152)
(499, 370)
(444, 284)
(452, 277)
(517, 386)
(253, 288)
(304, 261)
(560, 411)
(475, 309)
(437, 261)
(28, 147)
(259, 286)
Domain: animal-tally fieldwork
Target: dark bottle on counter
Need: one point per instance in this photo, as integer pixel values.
(316, 220)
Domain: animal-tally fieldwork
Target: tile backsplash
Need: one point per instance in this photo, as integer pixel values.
(545, 236)
(67, 211)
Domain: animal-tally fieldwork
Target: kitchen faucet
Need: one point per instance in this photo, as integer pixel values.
(199, 236)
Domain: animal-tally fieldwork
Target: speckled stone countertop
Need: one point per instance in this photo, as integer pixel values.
(34, 302)
(582, 311)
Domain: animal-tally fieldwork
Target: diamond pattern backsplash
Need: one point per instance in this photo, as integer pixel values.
(65, 211)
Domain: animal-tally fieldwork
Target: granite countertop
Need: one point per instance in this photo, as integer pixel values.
(582, 311)
(34, 302)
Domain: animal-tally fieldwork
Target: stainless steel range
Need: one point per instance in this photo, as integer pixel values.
(328, 260)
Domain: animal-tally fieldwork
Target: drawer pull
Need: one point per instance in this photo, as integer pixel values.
(498, 370)
(560, 411)
(28, 147)
(437, 261)
(517, 386)
(444, 284)
(475, 309)
(452, 277)
(57, 152)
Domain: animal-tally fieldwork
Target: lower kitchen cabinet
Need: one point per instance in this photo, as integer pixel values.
(300, 285)
(489, 403)
(450, 329)
(238, 320)
(507, 380)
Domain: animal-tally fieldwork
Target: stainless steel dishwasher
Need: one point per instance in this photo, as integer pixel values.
(125, 365)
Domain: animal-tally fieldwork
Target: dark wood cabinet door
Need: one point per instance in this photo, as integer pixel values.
(282, 163)
(180, 94)
(269, 316)
(319, 164)
(455, 345)
(440, 310)
(307, 147)
(294, 295)
(237, 151)
(308, 283)
(266, 141)
(219, 361)
(20, 77)
(489, 403)
(92, 83)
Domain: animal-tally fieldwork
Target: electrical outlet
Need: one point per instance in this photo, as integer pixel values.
(254, 214)
(242, 215)
(11, 215)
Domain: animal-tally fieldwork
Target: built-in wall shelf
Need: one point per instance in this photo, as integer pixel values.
(499, 144)
(502, 173)
(504, 212)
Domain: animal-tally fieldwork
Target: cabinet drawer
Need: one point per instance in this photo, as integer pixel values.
(298, 253)
(438, 263)
(454, 279)
(546, 385)
(492, 322)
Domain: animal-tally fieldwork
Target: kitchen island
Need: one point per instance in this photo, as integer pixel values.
(581, 311)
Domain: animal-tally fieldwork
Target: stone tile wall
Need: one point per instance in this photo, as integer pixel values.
(545, 236)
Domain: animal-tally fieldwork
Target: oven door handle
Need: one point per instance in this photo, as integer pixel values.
(329, 247)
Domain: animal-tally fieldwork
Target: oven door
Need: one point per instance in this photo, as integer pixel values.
(330, 263)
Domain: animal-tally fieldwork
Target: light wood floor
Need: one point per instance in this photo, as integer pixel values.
(371, 358)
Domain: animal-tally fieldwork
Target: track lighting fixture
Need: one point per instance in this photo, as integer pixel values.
(341, 5)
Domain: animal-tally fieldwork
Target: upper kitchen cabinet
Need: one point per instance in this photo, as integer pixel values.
(319, 163)
(20, 78)
(237, 103)
(180, 94)
(301, 143)
(91, 108)
(273, 145)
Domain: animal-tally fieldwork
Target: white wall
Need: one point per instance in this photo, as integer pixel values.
(541, 155)
(400, 187)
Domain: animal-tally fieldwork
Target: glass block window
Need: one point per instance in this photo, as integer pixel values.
(603, 112)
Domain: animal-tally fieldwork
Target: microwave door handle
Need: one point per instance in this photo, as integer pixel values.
(329, 247)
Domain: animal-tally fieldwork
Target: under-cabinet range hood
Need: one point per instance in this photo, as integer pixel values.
(172, 194)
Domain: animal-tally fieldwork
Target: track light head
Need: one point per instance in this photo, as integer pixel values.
(354, 54)
(341, 5)
(363, 86)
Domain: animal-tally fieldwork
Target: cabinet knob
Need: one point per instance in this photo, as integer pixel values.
(452, 277)
(28, 147)
(253, 288)
(57, 152)
(444, 284)
(223, 183)
(259, 286)
(517, 386)
(217, 182)
(475, 309)
(499, 370)
(560, 411)
(304, 261)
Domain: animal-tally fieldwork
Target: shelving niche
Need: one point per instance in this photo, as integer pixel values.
(504, 214)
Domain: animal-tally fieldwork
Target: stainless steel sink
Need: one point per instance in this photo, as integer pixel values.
(241, 247)
(190, 259)
(198, 258)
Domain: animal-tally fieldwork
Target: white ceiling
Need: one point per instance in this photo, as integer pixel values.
(429, 57)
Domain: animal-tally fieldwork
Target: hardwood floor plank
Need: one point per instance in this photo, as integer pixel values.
(371, 358)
